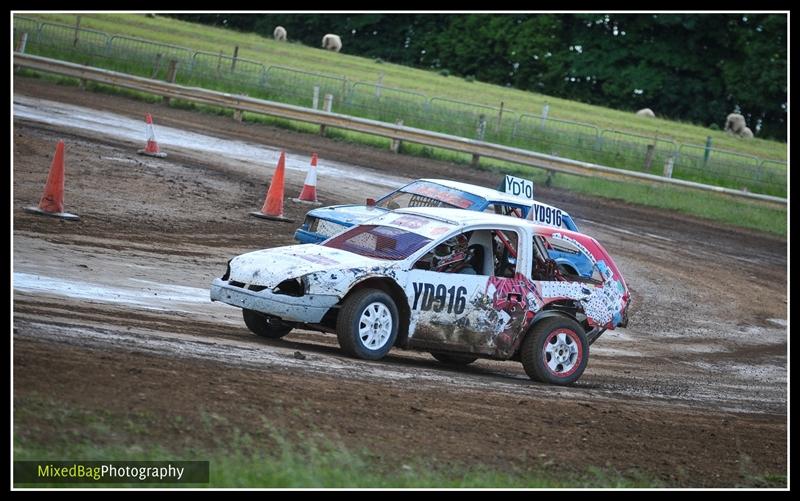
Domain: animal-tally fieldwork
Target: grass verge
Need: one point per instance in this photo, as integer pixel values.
(263, 456)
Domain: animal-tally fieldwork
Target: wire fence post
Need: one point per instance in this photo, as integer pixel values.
(77, 30)
(396, 143)
(668, 166)
(172, 72)
(156, 65)
(500, 118)
(235, 56)
(328, 106)
(707, 151)
(648, 157)
(481, 127)
(315, 98)
(23, 41)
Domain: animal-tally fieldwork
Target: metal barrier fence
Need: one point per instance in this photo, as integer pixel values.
(368, 100)
(581, 141)
(556, 137)
(645, 153)
(218, 70)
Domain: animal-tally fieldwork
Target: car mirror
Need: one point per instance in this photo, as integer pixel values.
(370, 202)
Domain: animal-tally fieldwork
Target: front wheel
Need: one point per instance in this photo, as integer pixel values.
(454, 359)
(264, 326)
(367, 324)
(555, 351)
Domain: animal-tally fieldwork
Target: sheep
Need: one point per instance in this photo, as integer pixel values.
(735, 124)
(747, 133)
(332, 42)
(279, 34)
(646, 112)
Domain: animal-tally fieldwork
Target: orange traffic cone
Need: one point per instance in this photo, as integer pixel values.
(52, 202)
(273, 205)
(309, 192)
(151, 150)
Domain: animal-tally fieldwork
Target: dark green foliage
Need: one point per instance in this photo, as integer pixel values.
(692, 67)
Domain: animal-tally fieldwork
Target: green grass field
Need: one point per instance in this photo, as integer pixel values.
(313, 59)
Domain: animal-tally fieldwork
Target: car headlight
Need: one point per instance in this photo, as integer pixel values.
(327, 228)
(296, 287)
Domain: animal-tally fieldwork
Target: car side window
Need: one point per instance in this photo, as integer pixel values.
(479, 252)
(505, 210)
(457, 254)
(554, 260)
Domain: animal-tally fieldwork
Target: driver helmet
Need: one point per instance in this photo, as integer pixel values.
(451, 255)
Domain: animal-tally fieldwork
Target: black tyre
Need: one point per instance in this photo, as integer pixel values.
(367, 324)
(264, 326)
(454, 359)
(555, 351)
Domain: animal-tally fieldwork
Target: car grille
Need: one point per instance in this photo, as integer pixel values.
(252, 287)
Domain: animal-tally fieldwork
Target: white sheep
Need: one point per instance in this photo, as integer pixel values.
(332, 42)
(279, 34)
(646, 112)
(735, 124)
(747, 133)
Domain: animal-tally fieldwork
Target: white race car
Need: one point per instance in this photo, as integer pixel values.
(459, 284)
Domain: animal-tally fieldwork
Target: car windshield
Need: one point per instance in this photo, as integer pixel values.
(425, 194)
(379, 242)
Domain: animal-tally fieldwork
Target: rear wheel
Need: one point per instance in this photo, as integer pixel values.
(367, 324)
(555, 351)
(454, 359)
(264, 326)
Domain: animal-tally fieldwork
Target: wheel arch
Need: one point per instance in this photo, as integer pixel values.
(397, 294)
(563, 308)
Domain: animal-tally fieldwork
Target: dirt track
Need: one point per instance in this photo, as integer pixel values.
(693, 392)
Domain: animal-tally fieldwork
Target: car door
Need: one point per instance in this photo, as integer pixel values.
(474, 313)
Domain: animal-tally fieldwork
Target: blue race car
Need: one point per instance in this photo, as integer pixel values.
(325, 222)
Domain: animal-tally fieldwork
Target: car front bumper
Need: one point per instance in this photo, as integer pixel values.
(309, 308)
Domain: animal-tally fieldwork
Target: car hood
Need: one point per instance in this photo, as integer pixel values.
(269, 267)
(350, 214)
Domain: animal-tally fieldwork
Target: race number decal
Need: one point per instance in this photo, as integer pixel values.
(518, 187)
(439, 298)
(547, 215)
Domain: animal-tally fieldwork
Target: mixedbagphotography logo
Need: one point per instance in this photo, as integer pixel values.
(108, 472)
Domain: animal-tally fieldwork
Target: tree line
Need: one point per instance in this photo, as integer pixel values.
(691, 67)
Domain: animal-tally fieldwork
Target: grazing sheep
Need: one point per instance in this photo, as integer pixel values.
(735, 124)
(332, 42)
(279, 34)
(646, 112)
(747, 133)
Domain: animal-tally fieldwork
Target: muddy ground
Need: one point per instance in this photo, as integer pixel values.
(692, 393)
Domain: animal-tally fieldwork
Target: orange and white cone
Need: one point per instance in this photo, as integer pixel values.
(52, 201)
(151, 150)
(309, 192)
(273, 204)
